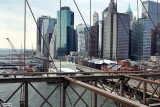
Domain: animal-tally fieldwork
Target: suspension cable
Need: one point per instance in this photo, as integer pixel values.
(60, 5)
(148, 14)
(81, 16)
(40, 33)
(119, 17)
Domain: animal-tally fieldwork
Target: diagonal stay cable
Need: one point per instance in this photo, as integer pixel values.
(40, 33)
(148, 14)
(81, 16)
(120, 17)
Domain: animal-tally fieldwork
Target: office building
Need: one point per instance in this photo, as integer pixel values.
(150, 10)
(53, 43)
(65, 42)
(136, 39)
(129, 12)
(95, 18)
(45, 29)
(82, 43)
(116, 34)
(93, 42)
(155, 41)
(99, 34)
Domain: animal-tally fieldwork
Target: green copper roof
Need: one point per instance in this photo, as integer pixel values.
(129, 9)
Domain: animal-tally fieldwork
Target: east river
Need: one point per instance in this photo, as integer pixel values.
(45, 89)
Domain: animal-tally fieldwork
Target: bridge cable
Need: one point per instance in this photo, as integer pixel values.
(60, 5)
(40, 33)
(81, 16)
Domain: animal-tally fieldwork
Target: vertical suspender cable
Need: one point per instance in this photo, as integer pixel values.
(90, 12)
(157, 12)
(60, 48)
(158, 33)
(27, 3)
(138, 34)
(22, 88)
(24, 30)
(60, 34)
(90, 43)
(90, 31)
(117, 33)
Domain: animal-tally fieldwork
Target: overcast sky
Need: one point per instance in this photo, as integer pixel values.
(12, 16)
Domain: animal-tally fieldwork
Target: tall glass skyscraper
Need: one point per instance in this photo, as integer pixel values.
(65, 32)
(151, 9)
(44, 34)
(45, 29)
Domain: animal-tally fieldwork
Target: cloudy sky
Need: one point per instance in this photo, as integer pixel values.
(12, 17)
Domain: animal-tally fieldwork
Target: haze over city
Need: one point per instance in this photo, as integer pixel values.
(12, 17)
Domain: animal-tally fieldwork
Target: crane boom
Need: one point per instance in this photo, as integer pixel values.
(15, 51)
(21, 62)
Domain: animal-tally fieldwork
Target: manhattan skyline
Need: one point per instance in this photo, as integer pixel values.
(12, 16)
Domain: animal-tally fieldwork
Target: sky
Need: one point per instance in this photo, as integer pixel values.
(12, 17)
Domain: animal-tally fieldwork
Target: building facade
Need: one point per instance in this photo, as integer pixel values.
(82, 43)
(150, 10)
(93, 42)
(39, 34)
(123, 35)
(109, 34)
(95, 18)
(53, 43)
(155, 41)
(100, 39)
(45, 29)
(65, 42)
(136, 39)
(116, 34)
(146, 39)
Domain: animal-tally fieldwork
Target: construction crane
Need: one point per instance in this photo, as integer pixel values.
(21, 62)
(15, 51)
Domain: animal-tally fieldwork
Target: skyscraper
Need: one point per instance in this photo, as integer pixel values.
(44, 33)
(155, 38)
(146, 39)
(82, 40)
(93, 42)
(129, 12)
(65, 32)
(109, 35)
(116, 34)
(100, 39)
(53, 43)
(39, 34)
(136, 39)
(123, 35)
(95, 18)
(151, 10)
